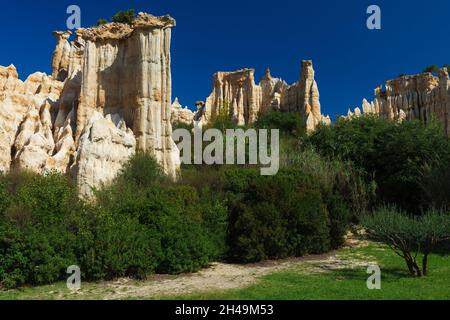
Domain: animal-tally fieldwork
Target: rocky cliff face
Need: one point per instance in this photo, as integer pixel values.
(180, 114)
(118, 71)
(411, 97)
(236, 93)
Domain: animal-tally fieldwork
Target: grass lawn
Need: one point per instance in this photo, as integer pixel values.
(304, 281)
(300, 284)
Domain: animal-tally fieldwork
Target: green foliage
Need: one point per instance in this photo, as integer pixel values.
(274, 217)
(432, 69)
(36, 238)
(223, 120)
(409, 236)
(126, 16)
(101, 22)
(335, 177)
(171, 217)
(142, 171)
(4, 198)
(180, 125)
(394, 155)
(288, 123)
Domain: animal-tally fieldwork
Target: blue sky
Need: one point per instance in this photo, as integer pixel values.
(210, 36)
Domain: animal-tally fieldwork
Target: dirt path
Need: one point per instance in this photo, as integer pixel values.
(219, 276)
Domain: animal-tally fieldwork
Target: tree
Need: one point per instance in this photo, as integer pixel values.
(432, 69)
(409, 236)
(124, 16)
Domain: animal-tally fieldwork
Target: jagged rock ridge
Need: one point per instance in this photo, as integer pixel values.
(418, 97)
(237, 94)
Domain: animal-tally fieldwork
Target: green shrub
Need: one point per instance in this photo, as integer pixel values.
(4, 198)
(113, 245)
(340, 216)
(394, 154)
(101, 22)
(274, 217)
(432, 69)
(215, 222)
(37, 242)
(409, 236)
(170, 215)
(289, 123)
(126, 16)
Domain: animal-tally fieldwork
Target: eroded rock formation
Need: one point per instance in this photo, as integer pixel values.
(109, 95)
(237, 94)
(180, 114)
(412, 97)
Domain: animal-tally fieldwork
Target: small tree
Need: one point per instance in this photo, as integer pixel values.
(409, 236)
(124, 16)
(432, 69)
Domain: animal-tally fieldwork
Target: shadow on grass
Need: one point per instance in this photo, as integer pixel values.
(361, 275)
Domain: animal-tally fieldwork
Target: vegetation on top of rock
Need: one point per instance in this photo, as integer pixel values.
(101, 22)
(126, 16)
(432, 69)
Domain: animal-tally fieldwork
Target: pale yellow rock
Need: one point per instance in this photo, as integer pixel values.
(117, 69)
(61, 55)
(420, 96)
(103, 150)
(180, 114)
(236, 94)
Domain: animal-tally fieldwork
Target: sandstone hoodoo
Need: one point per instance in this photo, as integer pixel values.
(420, 97)
(237, 93)
(109, 95)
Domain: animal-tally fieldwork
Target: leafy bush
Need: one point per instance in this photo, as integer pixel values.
(432, 69)
(36, 238)
(274, 217)
(409, 236)
(288, 123)
(4, 198)
(101, 22)
(170, 216)
(126, 16)
(394, 155)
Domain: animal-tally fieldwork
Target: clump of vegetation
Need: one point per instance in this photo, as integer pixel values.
(290, 124)
(432, 69)
(409, 236)
(396, 156)
(126, 16)
(101, 22)
(275, 217)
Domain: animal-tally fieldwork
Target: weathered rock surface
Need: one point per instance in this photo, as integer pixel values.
(106, 144)
(237, 94)
(180, 114)
(26, 117)
(55, 122)
(418, 96)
